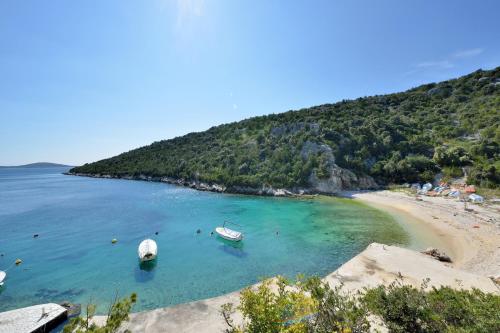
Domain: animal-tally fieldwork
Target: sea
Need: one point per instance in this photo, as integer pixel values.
(75, 218)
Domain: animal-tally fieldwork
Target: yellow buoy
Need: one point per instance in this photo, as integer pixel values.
(18, 261)
(114, 240)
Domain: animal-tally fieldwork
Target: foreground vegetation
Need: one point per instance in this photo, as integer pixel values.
(450, 127)
(117, 314)
(312, 306)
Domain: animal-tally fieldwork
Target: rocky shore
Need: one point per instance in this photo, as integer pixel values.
(200, 186)
(338, 182)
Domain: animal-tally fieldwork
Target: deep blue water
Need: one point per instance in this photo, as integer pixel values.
(76, 218)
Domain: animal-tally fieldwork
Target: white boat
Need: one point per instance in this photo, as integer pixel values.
(229, 234)
(147, 250)
(2, 277)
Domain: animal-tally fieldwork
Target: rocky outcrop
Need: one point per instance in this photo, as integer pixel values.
(495, 279)
(436, 254)
(201, 186)
(340, 180)
(312, 148)
(264, 190)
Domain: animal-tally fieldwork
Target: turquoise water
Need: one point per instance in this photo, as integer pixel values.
(76, 218)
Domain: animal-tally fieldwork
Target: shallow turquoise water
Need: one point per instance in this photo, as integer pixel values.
(73, 258)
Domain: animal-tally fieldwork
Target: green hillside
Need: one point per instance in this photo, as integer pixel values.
(448, 127)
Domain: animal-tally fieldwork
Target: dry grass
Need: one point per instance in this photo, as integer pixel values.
(488, 193)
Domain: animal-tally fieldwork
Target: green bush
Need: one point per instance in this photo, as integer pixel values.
(452, 172)
(277, 307)
(484, 176)
(408, 309)
(404, 309)
(270, 311)
(454, 156)
(311, 306)
(409, 169)
(117, 314)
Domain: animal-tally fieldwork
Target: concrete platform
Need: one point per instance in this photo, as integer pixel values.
(197, 317)
(37, 318)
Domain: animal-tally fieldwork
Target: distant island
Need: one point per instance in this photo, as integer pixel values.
(448, 129)
(38, 165)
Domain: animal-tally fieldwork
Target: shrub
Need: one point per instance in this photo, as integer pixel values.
(484, 175)
(334, 311)
(454, 156)
(269, 311)
(407, 309)
(452, 172)
(117, 314)
(309, 306)
(312, 306)
(403, 308)
(409, 169)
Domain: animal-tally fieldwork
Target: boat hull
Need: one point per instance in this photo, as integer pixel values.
(148, 250)
(148, 257)
(2, 277)
(235, 236)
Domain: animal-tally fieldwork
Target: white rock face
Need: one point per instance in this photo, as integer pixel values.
(310, 147)
(340, 179)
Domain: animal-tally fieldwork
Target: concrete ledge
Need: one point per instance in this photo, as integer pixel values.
(37, 318)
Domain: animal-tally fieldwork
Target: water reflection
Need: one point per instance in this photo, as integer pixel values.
(145, 271)
(147, 266)
(232, 248)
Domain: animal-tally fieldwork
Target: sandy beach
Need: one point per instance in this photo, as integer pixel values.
(470, 237)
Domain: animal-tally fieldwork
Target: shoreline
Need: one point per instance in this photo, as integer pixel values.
(263, 190)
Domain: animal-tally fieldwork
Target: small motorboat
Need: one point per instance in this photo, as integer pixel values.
(2, 277)
(229, 234)
(147, 250)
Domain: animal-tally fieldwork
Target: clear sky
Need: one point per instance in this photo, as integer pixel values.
(85, 80)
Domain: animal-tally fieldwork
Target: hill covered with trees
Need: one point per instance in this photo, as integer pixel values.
(451, 127)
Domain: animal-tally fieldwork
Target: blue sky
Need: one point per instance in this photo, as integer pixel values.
(85, 80)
